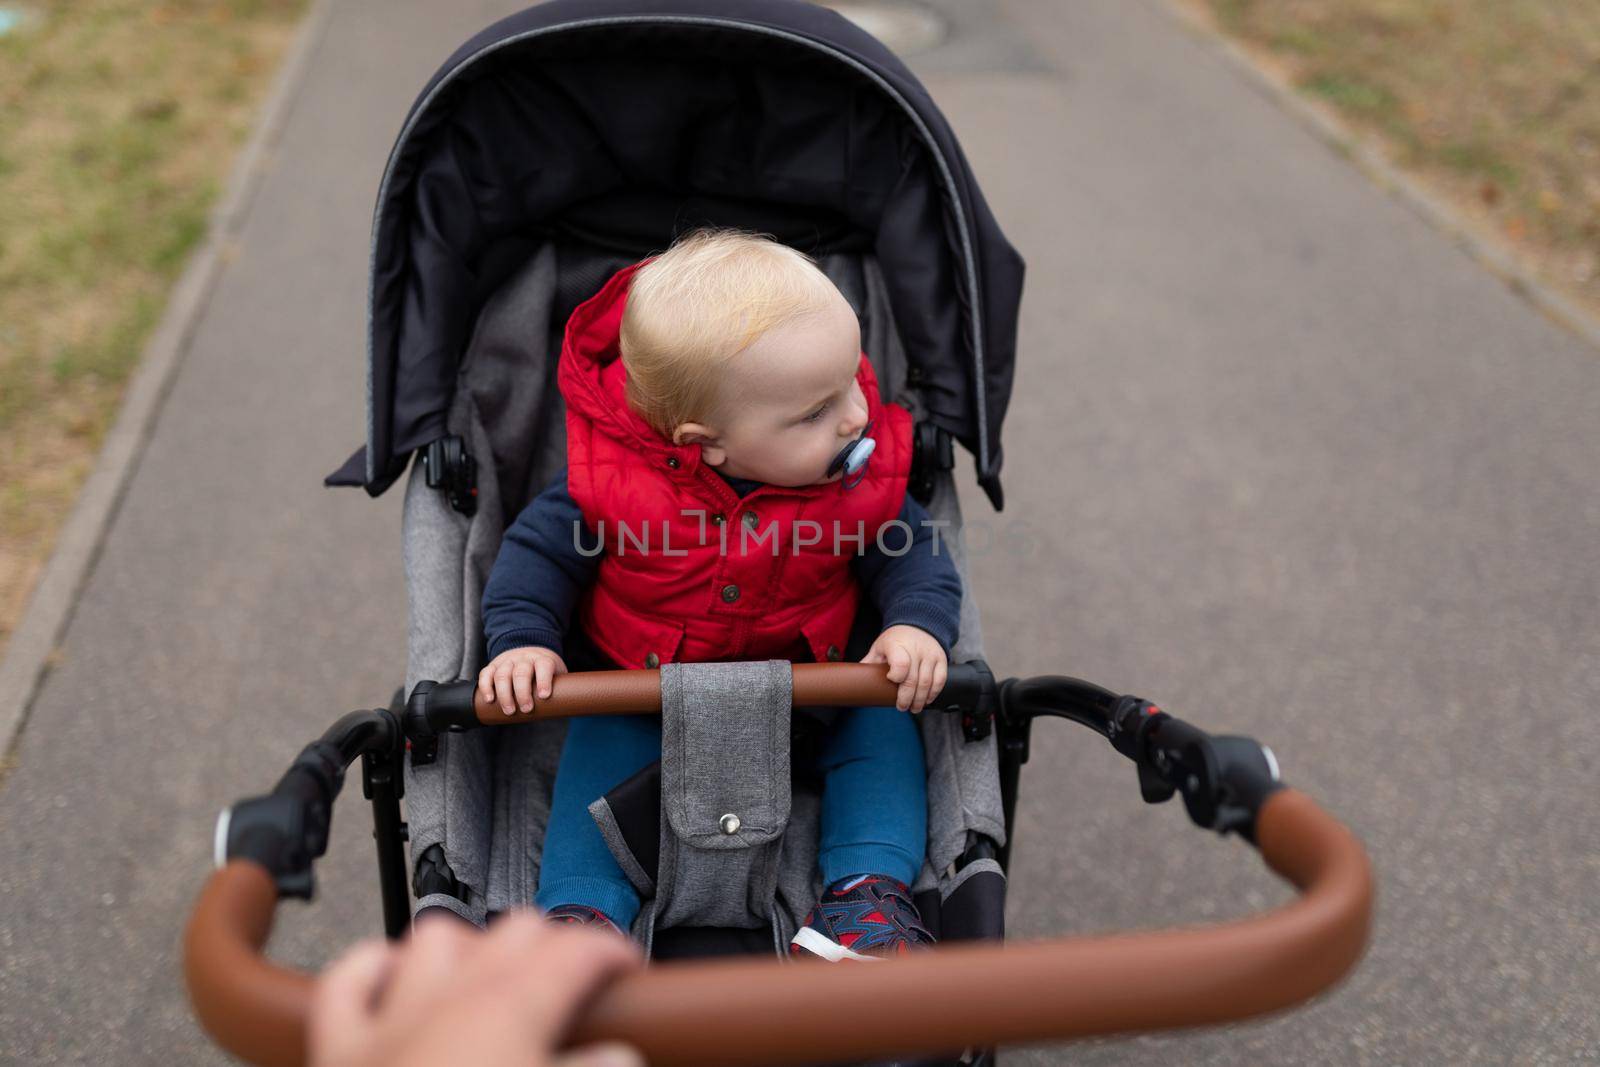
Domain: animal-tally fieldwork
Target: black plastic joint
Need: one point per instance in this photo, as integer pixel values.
(436, 708)
(433, 875)
(1129, 723)
(277, 831)
(969, 691)
(448, 465)
(932, 451)
(1247, 774)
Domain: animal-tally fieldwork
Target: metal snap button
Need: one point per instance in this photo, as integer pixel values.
(729, 823)
(750, 519)
(834, 655)
(730, 593)
(672, 461)
(718, 519)
(652, 660)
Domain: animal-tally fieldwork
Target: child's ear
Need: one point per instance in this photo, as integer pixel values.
(695, 433)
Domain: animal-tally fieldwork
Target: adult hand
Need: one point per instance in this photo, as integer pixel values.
(452, 994)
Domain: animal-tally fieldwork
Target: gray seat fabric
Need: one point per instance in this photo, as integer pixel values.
(486, 799)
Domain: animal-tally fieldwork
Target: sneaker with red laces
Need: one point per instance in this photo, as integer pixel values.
(868, 917)
(581, 915)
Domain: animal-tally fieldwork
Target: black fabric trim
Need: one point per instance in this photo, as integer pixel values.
(351, 472)
(976, 910)
(636, 806)
(702, 942)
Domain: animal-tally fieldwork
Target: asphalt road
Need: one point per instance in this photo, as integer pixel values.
(1280, 457)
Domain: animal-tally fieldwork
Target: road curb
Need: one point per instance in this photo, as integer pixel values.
(32, 648)
(1434, 210)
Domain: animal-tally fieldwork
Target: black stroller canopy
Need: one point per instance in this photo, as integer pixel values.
(621, 123)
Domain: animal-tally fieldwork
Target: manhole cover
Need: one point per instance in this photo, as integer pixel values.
(905, 28)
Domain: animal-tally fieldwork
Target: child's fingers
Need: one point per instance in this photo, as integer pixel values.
(522, 683)
(899, 663)
(941, 672)
(924, 685)
(486, 684)
(544, 669)
(502, 688)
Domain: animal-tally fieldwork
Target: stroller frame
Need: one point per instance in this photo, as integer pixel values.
(266, 847)
(1229, 775)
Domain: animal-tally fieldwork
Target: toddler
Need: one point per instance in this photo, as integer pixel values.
(733, 484)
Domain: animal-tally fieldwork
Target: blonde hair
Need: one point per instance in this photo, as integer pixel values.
(695, 307)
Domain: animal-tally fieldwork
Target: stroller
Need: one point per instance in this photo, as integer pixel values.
(551, 150)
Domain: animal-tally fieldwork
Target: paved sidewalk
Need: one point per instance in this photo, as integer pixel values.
(1289, 463)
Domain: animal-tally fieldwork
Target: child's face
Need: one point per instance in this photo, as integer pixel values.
(789, 403)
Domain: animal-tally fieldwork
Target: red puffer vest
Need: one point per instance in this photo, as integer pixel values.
(667, 590)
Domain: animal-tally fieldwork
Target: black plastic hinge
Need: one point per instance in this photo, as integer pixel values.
(433, 875)
(448, 465)
(931, 452)
(1129, 725)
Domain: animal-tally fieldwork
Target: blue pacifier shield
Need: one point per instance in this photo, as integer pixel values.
(853, 457)
(859, 453)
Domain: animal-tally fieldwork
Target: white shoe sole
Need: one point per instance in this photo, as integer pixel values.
(818, 945)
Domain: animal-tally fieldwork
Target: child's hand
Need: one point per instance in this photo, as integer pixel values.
(916, 661)
(513, 675)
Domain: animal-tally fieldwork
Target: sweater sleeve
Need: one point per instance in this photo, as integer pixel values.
(539, 574)
(918, 586)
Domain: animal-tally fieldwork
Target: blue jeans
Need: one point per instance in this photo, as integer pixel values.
(874, 804)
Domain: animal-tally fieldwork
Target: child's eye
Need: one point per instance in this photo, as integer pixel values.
(815, 415)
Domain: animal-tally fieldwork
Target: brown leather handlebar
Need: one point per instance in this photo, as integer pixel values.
(703, 1014)
(638, 692)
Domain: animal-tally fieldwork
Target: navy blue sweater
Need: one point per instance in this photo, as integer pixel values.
(540, 574)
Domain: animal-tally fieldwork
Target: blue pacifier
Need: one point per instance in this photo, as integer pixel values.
(852, 459)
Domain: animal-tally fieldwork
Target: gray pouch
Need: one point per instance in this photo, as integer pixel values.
(725, 792)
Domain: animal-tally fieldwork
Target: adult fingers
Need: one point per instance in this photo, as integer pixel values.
(341, 1006)
(607, 1055)
(425, 966)
(554, 970)
(522, 683)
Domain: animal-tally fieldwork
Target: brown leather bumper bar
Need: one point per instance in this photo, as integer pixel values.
(703, 1014)
(638, 692)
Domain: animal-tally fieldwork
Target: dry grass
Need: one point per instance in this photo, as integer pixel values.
(1494, 103)
(118, 123)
